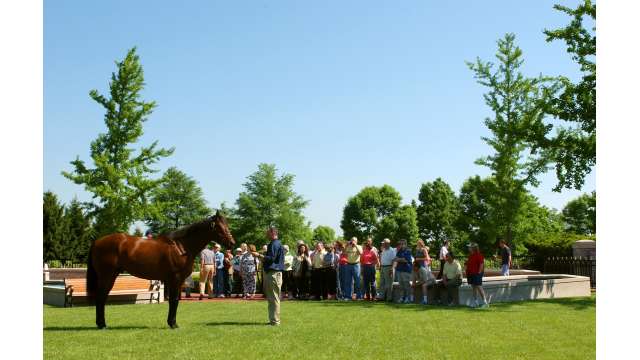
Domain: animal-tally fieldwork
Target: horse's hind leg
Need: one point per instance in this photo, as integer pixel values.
(105, 283)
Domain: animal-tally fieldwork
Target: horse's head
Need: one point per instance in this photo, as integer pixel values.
(220, 226)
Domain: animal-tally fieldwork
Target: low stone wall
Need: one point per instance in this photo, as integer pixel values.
(531, 287)
(510, 288)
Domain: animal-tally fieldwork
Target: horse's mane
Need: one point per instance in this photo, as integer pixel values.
(182, 233)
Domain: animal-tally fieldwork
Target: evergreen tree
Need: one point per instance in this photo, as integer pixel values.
(80, 232)
(269, 199)
(53, 228)
(119, 181)
(438, 211)
(179, 201)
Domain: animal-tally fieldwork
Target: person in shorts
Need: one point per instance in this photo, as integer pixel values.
(421, 277)
(475, 271)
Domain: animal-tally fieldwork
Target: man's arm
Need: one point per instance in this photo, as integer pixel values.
(272, 250)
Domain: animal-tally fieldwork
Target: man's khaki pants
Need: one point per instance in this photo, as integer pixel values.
(206, 276)
(272, 283)
(386, 282)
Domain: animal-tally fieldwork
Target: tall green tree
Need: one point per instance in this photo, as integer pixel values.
(477, 221)
(269, 199)
(377, 212)
(54, 228)
(572, 147)
(177, 202)
(481, 222)
(579, 215)
(402, 224)
(518, 104)
(119, 180)
(324, 234)
(437, 212)
(80, 232)
(363, 212)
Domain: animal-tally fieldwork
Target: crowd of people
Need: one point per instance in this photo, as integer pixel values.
(346, 271)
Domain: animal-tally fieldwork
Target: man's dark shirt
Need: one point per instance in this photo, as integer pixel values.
(274, 258)
(404, 266)
(505, 252)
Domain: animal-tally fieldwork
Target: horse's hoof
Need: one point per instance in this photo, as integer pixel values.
(102, 326)
(173, 326)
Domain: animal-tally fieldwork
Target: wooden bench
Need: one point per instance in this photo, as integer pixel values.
(124, 285)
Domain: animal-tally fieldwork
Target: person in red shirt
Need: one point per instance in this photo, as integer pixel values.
(369, 261)
(475, 271)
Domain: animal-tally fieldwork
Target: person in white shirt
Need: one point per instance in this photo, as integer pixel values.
(386, 270)
(444, 250)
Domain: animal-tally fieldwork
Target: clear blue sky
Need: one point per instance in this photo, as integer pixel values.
(341, 94)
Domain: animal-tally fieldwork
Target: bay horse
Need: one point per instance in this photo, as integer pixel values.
(168, 257)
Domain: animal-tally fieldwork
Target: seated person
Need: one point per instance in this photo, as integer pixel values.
(421, 277)
(451, 276)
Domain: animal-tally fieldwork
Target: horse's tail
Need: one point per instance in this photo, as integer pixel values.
(92, 277)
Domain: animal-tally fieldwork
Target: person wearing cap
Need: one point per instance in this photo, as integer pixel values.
(404, 262)
(219, 275)
(273, 265)
(386, 270)
(287, 274)
(442, 256)
(475, 271)
(207, 270)
(237, 278)
(451, 277)
(148, 234)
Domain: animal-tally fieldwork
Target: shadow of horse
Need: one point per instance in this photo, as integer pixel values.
(92, 328)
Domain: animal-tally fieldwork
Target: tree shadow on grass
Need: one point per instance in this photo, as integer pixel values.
(381, 304)
(581, 303)
(92, 328)
(235, 323)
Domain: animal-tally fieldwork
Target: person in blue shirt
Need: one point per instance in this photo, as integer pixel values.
(404, 262)
(273, 265)
(219, 277)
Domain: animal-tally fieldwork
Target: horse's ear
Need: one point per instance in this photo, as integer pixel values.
(218, 213)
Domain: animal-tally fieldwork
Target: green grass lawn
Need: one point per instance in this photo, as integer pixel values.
(543, 329)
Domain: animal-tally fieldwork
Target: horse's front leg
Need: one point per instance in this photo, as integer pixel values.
(174, 299)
